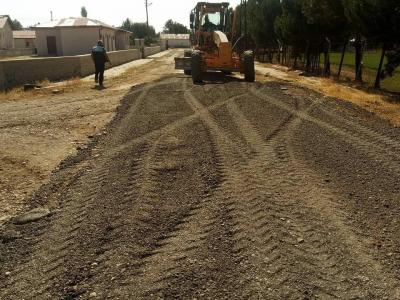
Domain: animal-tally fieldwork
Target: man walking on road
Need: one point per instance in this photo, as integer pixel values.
(100, 57)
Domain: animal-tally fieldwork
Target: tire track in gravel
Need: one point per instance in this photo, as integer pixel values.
(275, 247)
(54, 247)
(380, 140)
(321, 266)
(184, 121)
(140, 223)
(140, 209)
(48, 261)
(391, 161)
(180, 250)
(242, 183)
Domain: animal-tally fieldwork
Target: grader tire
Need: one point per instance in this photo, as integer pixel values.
(249, 71)
(187, 53)
(196, 67)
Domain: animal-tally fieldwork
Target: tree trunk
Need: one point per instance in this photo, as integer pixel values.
(307, 57)
(271, 54)
(342, 58)
(279, 53)
(327, 62)
(295, 63)
(359, 55)
(378, 75)
(284, 55)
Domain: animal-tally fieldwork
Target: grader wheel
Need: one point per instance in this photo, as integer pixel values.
(249, 71)
(187, 53)
(196, 67)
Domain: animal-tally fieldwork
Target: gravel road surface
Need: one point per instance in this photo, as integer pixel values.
(227, 190)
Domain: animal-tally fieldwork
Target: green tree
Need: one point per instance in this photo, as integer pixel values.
(292, 30)
(308, 27)
(83, 12)
(16, 25)
(326, 22)
(262, 15)
(139, 30)
(379, 22)
(229, 20)
(175, 28)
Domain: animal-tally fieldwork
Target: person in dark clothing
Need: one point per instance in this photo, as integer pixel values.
(100, 57)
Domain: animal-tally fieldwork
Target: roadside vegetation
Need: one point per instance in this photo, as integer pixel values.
(140, 30)
(371, 60)
(329, 37)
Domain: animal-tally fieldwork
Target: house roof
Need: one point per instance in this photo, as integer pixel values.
(24, 34)
(75, 22)
(4, 19)
(169, 36)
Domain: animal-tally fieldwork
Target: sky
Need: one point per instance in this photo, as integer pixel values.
(30, 12)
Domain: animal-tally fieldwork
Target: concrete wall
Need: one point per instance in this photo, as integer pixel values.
(147, 51)
(178, 43)
(28, 71)
(18, 72)
(122, 40)
(24, 43)
(17, 52)
(116, 58)
(6, 37)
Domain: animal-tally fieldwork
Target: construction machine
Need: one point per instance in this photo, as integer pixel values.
(214, 49)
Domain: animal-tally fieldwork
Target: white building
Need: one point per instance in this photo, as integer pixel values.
(24, 39)
(175, 40)
(6, 34)
(76, 36)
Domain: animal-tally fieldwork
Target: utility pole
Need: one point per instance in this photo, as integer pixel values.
(245, 17)
(51, 15)
(147, 4)
(240, 17)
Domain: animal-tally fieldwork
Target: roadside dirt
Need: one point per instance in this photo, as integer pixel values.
(385, 106)
(227, 190)
(38, 129)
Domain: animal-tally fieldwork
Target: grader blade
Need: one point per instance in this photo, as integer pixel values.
(183, 63)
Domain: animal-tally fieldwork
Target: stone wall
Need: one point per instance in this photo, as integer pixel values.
(18, 72)
(148, 51)
(17, 52)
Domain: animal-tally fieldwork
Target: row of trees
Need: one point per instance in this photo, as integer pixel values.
(140, 30)
(307, 28)
(175, 28)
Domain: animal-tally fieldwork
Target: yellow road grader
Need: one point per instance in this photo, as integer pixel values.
(215, 49)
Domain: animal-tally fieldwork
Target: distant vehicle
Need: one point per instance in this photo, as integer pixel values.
(213, 47)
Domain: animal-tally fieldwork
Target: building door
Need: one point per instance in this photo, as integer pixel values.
(51, 45)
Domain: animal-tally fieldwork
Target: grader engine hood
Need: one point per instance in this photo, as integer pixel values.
(224, 49)
(220, 37)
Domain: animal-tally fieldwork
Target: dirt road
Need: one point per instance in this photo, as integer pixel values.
(227, 190)
(39, 129)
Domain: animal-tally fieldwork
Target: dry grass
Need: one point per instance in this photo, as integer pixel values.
(381, 104)
(47, 88)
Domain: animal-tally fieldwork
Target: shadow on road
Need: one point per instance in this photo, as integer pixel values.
(220, 78)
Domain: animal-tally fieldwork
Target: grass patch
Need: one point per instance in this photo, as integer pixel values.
(371, 61)
(18, 93)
